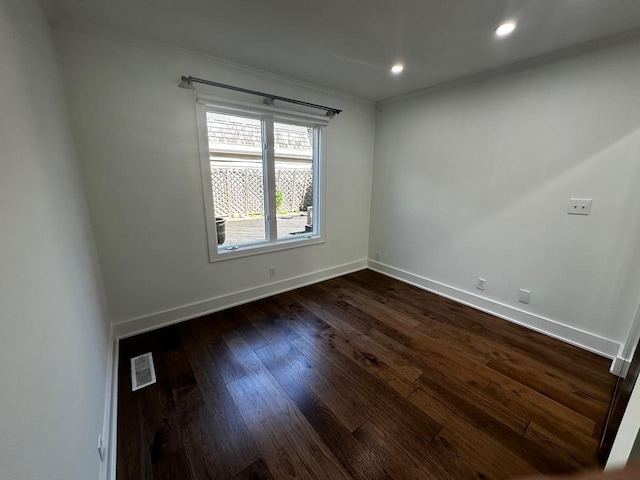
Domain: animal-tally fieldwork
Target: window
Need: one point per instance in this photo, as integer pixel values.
(261, 171)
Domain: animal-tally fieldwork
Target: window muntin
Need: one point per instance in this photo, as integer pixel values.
(264, 181)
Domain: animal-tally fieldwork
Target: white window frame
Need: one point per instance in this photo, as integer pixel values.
(268, 115)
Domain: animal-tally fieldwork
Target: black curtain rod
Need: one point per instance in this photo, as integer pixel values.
(187, 82)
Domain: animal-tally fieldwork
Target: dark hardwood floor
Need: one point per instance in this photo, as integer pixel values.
(358, 377)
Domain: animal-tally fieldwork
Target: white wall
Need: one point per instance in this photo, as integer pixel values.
(53, 328)
(137, 143)
(475, 182)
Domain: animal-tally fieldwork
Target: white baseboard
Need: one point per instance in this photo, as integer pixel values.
(156, 320)
(167, 317)
(620, 366)
(588, 341)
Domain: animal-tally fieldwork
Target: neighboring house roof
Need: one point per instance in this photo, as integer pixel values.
(243, 136)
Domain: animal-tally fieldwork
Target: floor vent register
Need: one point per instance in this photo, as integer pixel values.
(143, 372)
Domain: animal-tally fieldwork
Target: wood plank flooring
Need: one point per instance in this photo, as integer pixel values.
(359, 377)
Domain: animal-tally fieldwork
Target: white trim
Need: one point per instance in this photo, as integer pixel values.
(320, 172)
(226, 105)
(627, 433)
(520, 66)
(574, 336)
(205, 177)
(156, 320)
(271, 243)
(620, 366)
(109, 425)
(258, 248)
(113, 433)
(161, 319)
(135, 326)
(269, 177)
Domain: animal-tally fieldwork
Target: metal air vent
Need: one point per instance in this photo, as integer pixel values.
(143, 372)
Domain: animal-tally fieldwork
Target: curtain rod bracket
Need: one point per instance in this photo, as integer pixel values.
(186, 83)
(268, 100)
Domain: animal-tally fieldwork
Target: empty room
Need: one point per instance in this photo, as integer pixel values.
(320, 240)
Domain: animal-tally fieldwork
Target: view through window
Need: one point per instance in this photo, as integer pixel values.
(237, 177)
(294, 178)
(244, 196)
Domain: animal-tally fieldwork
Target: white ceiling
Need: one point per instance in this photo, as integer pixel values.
(351, 44)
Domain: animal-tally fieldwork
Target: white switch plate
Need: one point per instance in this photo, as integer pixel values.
(272, 271)
(524, 296)
(480, 283)
(580, 206)
(378, 256)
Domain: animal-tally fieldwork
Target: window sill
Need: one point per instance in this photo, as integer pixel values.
(250, 250)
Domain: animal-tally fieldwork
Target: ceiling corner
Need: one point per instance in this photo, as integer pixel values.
(48, 8)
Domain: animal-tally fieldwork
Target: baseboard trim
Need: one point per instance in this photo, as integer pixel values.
(579, 338)
(156, 320)
(161, 319)
(620, 366)
(588, 341)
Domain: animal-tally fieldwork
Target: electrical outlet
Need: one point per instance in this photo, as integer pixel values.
(580, 206)
(480, 283)
(272, 271)
(378, 256)
(524, 296)
(101, 449)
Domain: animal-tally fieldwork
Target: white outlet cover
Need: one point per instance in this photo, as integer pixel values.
(580, 206)
(524, 296)
(480, 283)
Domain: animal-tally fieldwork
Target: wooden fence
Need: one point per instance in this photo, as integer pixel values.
(239, 192)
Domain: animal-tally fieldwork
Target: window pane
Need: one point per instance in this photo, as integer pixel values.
(237, 177)
(294, 179)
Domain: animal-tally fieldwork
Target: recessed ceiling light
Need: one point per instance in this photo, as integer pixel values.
(505, 29)
(397, 69)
